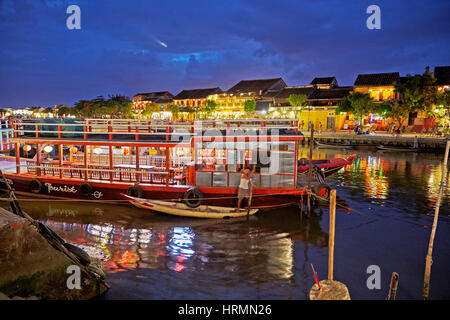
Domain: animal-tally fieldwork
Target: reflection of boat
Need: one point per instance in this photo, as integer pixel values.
(327, 166)
(180, 209)
(409, 149)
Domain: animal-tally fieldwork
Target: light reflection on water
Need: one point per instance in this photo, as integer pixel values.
(385, 201)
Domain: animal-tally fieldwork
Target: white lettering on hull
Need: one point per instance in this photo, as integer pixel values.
(64, 188)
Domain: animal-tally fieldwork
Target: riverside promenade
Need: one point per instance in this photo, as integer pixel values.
(426, 142)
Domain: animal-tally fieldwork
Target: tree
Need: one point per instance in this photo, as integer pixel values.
(396, 111)
(125, 110)
(64, 110)
(48, 110)
(174, 109)
(297, 100)
(209, 107)
(358, 103)
(249, 106)
(442, 111)
(419, 92)
(149, 110)
(115, 107)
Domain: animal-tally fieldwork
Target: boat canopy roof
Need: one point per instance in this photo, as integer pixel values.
(150, 134)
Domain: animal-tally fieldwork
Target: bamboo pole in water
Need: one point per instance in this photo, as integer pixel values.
(311, 143)
(428, 261)
(331, 234)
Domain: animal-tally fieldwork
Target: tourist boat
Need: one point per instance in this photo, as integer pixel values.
(327, 167)
(398, 149)
(182, 210)
(197, 163)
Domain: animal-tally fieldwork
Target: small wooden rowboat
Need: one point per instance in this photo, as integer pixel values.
(182, 210)
(334, 145)
(383, 148)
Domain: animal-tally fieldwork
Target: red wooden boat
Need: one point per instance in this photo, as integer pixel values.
(201, 165)
(327, 167)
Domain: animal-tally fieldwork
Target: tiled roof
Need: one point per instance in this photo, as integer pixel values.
(287, 91)
(197, 93)
(163, 100)
(442, 75)
(323, 80)
(152, 96)
(245, 86)
(330, 94)
(270, 94)
(377, 79)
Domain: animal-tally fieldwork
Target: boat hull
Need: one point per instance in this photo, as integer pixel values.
(181, 210)
(105, 191)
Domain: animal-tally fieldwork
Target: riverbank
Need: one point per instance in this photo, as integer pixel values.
(427, 143)
(31, 268)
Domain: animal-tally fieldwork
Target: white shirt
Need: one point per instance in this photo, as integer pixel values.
(244, 183)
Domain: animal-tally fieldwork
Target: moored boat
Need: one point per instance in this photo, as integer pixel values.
(398, 149)
(200, 164)
(327, 166)
(182, 210)
(347, 145)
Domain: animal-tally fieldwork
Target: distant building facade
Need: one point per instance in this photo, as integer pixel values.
(195, 97)
(232, 101)
(380, 86)
(162, 98)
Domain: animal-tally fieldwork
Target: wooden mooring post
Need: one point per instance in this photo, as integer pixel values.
(331, 234)
(429, 258)
(311, 143)
(394, 285)
(330, 289)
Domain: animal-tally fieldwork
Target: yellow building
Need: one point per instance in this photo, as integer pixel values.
(195, 97)
(322, 105)
(380, 86)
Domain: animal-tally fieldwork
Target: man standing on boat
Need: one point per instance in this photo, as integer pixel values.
(244, 190)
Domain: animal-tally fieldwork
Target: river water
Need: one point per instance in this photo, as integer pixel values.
(384, 218)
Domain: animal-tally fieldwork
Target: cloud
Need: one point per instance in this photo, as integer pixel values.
(147, 46)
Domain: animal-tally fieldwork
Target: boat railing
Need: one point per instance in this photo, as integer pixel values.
(103, 159)
(102, 172)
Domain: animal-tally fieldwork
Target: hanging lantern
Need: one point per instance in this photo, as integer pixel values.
(73, 150)
(125, 151)
(152, 152)
(48, 148)
(180, 152)
(26, 148)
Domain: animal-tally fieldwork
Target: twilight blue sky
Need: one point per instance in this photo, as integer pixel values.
(209, 43)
